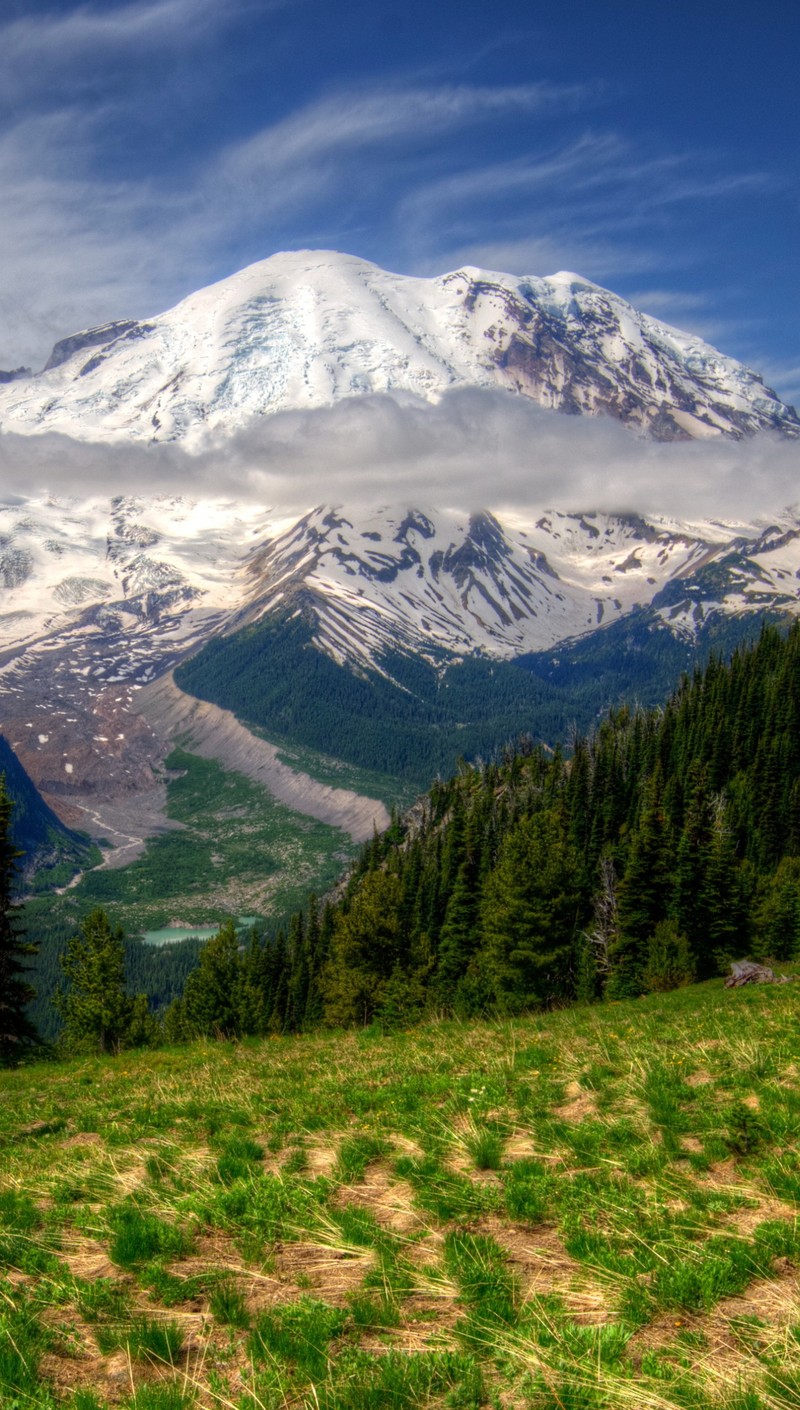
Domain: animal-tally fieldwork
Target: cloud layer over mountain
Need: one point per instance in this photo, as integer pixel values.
(474, 449)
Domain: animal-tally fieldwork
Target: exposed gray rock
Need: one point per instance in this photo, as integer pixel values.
(746, 972)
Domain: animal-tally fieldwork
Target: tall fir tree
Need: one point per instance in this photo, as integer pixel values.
(531, 915)
(17, 1033)
(692, 899)
(211, 997)
(367, 948)
(644, 893)
(95, 1007)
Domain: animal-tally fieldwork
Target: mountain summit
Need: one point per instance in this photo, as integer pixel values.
(305, 329)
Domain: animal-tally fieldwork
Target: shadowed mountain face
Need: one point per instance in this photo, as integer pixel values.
(37, 832)
(309, 328)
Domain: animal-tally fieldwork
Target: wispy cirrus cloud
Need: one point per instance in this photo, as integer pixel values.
(133, 171)
(357, 121)
(600, 204)
(261, 189)
(44, 53)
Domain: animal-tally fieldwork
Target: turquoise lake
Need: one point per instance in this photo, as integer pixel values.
(171, 934)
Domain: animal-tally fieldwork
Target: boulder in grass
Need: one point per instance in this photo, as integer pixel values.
(747, 972)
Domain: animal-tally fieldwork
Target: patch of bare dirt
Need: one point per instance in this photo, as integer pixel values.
(328, 1273)
(579, 1106)
(691, 1143)
(79, 1365)
(215, 1254)
(389, 1199)
(109, 1377)
(406, 1146)
(746, 1220)
(722, 1176)
(700, 1078)
(774, 1300)
(464, 1164)
(519, 1145)
(87, 1258)
(542, 1265)
(427, 1322)
(733, 1340)
(130, 1177)
(321, 1157)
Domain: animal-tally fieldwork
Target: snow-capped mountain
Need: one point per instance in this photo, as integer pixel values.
(103, 597)
(428, 581)
(303, 330)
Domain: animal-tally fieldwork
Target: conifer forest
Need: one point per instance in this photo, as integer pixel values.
(642, 857)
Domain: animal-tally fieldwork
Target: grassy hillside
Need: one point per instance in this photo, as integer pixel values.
(592, 1208)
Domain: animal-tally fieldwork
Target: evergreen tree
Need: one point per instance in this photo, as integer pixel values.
(669, 962)
(95, 1008)
(16, 1030)
(458, 939)
(643, 894)
(175, 1027)
(254, 987)
(531, 915)
(694, 900)
(778, 914)
(210, 999)
(729, 901)
(144, 1029)
(317, 950)
(366, 950)
(279, 983)
(299, 978)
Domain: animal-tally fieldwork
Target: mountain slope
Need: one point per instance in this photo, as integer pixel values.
(305, 329)
(427, 581)
(422, 606)
(35, 829)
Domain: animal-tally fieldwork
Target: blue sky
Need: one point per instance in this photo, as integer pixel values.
(148, 147)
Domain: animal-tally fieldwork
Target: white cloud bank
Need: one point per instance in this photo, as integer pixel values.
(475, 449)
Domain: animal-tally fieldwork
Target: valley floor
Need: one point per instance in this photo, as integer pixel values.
(596, 1207)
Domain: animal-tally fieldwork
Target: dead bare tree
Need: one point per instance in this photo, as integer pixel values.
(605, 920)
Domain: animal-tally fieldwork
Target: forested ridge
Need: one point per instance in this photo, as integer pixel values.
(412, 718)
(664, 846)
(644, 856)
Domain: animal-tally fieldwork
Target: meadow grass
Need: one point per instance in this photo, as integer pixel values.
(591, 1209)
